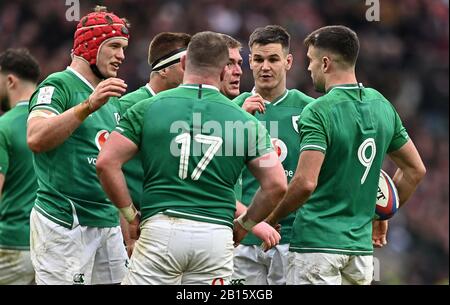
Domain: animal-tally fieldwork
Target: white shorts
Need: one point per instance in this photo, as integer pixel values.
(16, 267)
(80, 256)
(178, 251)
(253, 266)
(329, 269)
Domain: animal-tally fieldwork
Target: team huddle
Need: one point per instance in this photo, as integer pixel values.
(187, 180)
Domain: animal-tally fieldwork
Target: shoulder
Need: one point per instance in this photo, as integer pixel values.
(9, 116)
(61, 78)
(136, 95)
(375, 94)
(300, 95)
(5, 121)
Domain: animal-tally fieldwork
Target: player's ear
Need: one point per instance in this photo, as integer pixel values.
(11, 81)
(250, 61)
(326, 61)
(289, 61)
(163, 73)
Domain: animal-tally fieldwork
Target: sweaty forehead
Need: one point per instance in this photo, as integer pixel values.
(271, 49)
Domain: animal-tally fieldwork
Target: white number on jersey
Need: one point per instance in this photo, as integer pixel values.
(366, 161)
(185, 141)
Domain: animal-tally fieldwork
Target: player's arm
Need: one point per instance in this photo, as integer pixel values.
(410, 170)
(2, 181)
(116, 151)
(268, 234)
(379, 233)
(47, 130)
(301, 186)
(270, 174)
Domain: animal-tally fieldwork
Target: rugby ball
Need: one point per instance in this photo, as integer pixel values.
(387, 198)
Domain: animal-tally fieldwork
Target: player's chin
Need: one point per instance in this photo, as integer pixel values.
(232, 93)
(111, 73)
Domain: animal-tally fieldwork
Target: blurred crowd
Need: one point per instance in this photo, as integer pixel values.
(404, 56)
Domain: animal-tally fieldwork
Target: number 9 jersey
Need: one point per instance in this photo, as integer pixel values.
(355, 127)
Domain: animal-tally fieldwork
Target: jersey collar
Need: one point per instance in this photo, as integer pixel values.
(81, 77)
(22, 103)
(346, 87)
(150, 90)
(197, 86)
(277, 101)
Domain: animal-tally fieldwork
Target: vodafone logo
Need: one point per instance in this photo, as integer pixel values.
(280, 148)
(100, 138)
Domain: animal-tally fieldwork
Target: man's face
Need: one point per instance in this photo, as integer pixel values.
(110, 57)
(4, 100)
(315, 68)
(231, 82)
(269, 65)
(174, 75)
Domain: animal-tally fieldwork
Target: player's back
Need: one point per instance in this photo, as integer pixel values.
(360, 127)
(194, 145)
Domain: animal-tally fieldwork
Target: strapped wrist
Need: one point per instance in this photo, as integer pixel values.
(129, 212)
(247, 224)
(81, 111)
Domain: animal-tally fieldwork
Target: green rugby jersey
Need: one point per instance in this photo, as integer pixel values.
(19, 188)
(354, 127)
(134, 174)
(193, 148)
(68, 185)
(281, 120)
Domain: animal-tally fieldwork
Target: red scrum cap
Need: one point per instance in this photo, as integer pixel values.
(95, 29)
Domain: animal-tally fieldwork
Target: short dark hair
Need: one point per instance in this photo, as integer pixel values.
(165, 43)
(231, 42)
(20, 63)
(270, 34)
(207, 50)
(338, 39)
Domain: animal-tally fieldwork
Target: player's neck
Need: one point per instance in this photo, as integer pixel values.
(200, 79)
(84, 69)
(21, 94)
(271, 94)
(336, 79)
(157, 85)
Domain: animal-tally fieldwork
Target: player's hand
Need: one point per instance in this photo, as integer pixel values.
(105, 89)
(129, 244)
(134, 227)
(254, 103)
(379, 233)
(268, 234)
(238, 233)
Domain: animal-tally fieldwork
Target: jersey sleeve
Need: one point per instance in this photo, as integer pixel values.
(4, 156)
(132, 122)
(400, 135)
(51, 96)
(239, 100)
(312, 131)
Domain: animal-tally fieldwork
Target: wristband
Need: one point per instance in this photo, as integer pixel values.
(129, 213)
(248, 224)
(81, 111)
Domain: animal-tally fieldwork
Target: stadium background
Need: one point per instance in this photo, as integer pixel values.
(404, 55)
